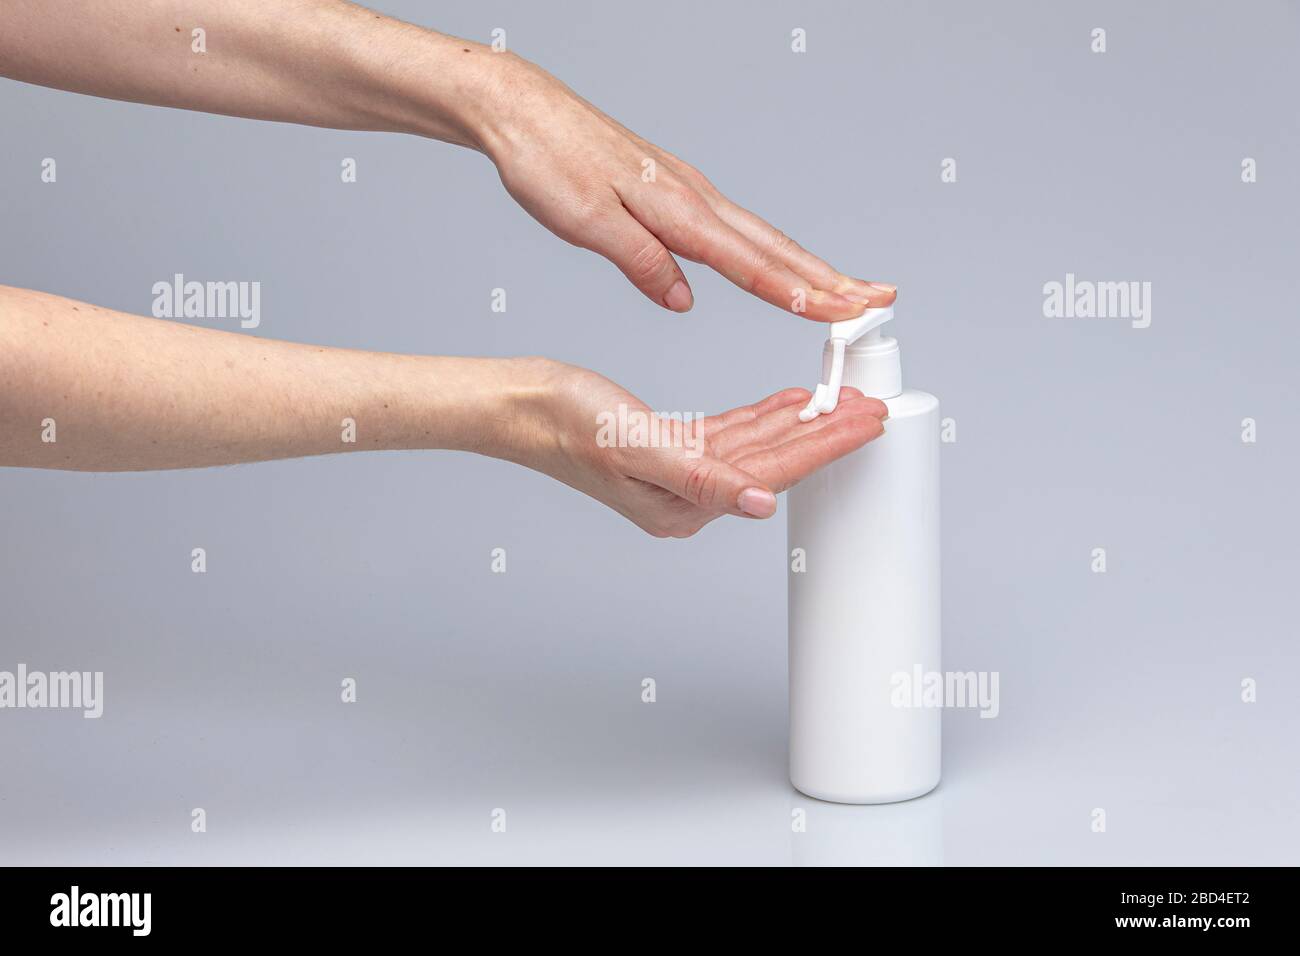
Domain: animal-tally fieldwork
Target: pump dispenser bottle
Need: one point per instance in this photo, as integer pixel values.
(864, 589)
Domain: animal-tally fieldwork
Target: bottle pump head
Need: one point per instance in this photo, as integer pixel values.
(880, 378)
(867, 324)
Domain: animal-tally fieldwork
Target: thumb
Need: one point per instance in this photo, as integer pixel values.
(645, 261)
(708, 483)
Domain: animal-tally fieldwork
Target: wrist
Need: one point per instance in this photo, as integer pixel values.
(413, 80)
(517, 421)
(495, 407)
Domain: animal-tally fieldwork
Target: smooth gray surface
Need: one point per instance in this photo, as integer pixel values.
(522, 690)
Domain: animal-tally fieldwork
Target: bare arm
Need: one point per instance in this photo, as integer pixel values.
(329, 63)
(129, 393)
(316, 62)
(89, 389)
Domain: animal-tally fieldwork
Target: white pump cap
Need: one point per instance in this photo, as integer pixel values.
(886, 378)
(850, 330)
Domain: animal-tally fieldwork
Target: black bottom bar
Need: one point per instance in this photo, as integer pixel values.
(333, 905)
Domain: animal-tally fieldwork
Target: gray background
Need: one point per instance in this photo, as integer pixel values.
(522, 691)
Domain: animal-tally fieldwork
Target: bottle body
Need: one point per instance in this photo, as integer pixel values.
(864, 613)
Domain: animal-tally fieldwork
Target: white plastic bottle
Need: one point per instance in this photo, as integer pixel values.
(865, 608)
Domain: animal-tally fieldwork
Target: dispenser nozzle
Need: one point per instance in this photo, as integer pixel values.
(841, 335)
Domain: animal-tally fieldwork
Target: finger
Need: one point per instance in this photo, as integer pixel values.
(706, 482)
(780, 425)
(644, 260)
(686, 225)
(747, 413)
(785, 465)
(767, 237)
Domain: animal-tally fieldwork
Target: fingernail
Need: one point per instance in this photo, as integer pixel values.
(679, 297)
(854, 297)
(757, 502)
(883, 286)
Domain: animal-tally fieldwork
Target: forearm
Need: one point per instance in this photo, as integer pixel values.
(88, 389)
(317, 62)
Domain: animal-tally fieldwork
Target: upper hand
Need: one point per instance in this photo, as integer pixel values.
(598, 185)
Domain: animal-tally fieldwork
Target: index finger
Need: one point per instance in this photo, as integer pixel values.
(800, 260)
(687, 225)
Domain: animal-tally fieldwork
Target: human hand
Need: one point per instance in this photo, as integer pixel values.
(580, 428)
(584, 176)
(581, 174)
(183, 396)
